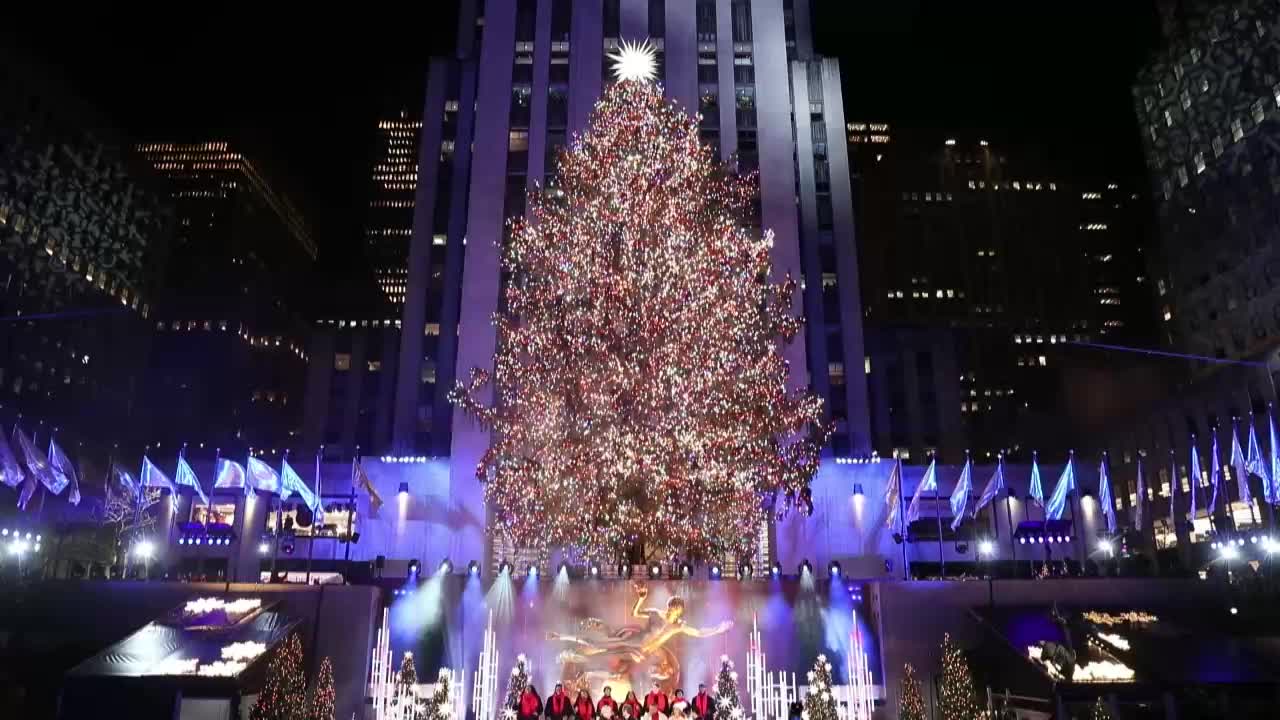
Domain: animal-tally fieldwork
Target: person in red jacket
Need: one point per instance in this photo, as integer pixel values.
(529, 706)
(559, 705)
(658, 698)
(703, 705)
(654, 713)
(633, 702)
(583, 707)
(607, 701)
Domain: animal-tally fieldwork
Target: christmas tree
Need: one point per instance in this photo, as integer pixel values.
(728, 706)
(820, 703)
(517, 683)
(910, 699)
(439, 706)
(639, 371)
(1100, 711)
(956, 699)
(322, 693)
(406, 684)
(283, 695)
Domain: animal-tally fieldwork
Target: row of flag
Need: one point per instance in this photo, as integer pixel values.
(1242, 465)
(55, 471)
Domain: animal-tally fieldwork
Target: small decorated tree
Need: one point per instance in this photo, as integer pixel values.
(322, 694)
(910, 698)
(283, 695)
(1100, 711)
(439, 706)
(728, 706)
(405, 700)
(820, 703)
(956, 699)
(518, 681)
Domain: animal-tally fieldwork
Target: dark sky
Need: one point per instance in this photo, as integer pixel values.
(308, 85)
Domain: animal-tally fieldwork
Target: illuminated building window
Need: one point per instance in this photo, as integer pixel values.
(342, 361)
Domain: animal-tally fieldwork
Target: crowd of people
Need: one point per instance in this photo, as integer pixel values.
(657, 705)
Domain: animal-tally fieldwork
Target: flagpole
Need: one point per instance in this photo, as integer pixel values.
(937, 495)
(314, 520)
(233, 563)
(1074, 499)
(275, 546)
(1008, 511)
(354, 460)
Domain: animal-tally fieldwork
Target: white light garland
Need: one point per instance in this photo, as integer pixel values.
(247, 650)
(176, 666)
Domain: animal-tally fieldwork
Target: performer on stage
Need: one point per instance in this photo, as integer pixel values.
(529, 705)
(583, 707)
(628, 713)
(654, 713)
(703, 706)
(657, 698)
(633, 702)
(679, 703)
(559, 705)
(607, 701)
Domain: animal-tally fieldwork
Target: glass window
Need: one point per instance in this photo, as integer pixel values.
(706, 20)
(658, 18)
(612, 19)
(526, 15)
(741, 14)
(560, 20)
(342, 361)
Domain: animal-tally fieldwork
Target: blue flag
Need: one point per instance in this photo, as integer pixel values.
(1037, 491)
(153, 476)
(1215, 474)
(1104, 494)
(38, 466)
(1066, 483)
(994, 486)
(230, 474)
(11, 473)
(893, 497)
(928, 483)
(1256, 465)
(1140, 510)
(291, 483)
(186, 477)
(1239, 467)
(62, 469)
(262, 477)
(960, 496)
(1194, 475)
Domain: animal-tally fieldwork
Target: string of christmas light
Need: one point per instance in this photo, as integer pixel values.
(284, 691)
(956, 699)
(640, 392)
(323, 695)
(910, 697)
(1100, 711)
(516, 685)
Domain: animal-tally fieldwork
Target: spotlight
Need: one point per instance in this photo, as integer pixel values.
(144, 549)
(563, 569)
(414, 566)
(505, 568)
(857, 490)
(1229, 552)
(986, 548)
(775, 569)
(1214, 545)
(4, 532)
(446, 566)
(655, 570)
(404, 490)
(834, 569)
(473, 568)
(805, 567)
(715, 572)
(1240, 542)
(1235, 611)
(532, 572)
(264, 548)
(1107, 547)
(1253, 539)
(685, 570)
(744, 571)
(1022, 541)
(182, 541)
(594, 570)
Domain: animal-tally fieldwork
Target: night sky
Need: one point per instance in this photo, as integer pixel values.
(308, 87)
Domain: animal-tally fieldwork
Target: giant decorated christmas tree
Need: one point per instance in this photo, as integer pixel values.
(639, 372)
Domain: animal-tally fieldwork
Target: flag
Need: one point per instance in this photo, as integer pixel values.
(960, 496)
(1215, 474)
(892, 497)
(1274, 486)
(153, 476)
(928, 483)
(186, 477)
(123, 484)
(230, 474)
(1239, 467)
(38, 466)
(262, 477)
(1174, 486)
(1255, 465)
(994, 486)
(291, 483)
(1037, 491)
(375, 500)
(1141, 510)
(1058, 501)
(10, 469)
(62, 469)
(1104, 494)
(28, 491)
(1193, 475)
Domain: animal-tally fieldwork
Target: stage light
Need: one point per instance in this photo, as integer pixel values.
(264, 548)
(144, 549)
(594, 570)
(1240, 542)
(1253, 539)
(1229, 552)
(715, 572)
(1235, 611)
(655, 571)
(532, 572)
(805, 567)
(857, 490)
(775, 569)
(834, 569)
(1107, 547)
(685, 570)
(18, 548)
(1270, 546)
(37, 538)
(4, 532)
(446, 566)
(1214, 545)
(404, 490)
(744, 571)
(563, 569)
(473, 568)
(505, 568)
(986, 548)
(414, 566)
(1022, 541)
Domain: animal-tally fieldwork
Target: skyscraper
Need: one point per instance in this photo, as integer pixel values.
(393, 182)
(229, 353)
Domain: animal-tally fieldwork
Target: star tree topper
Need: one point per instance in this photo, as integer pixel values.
(635, 61)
